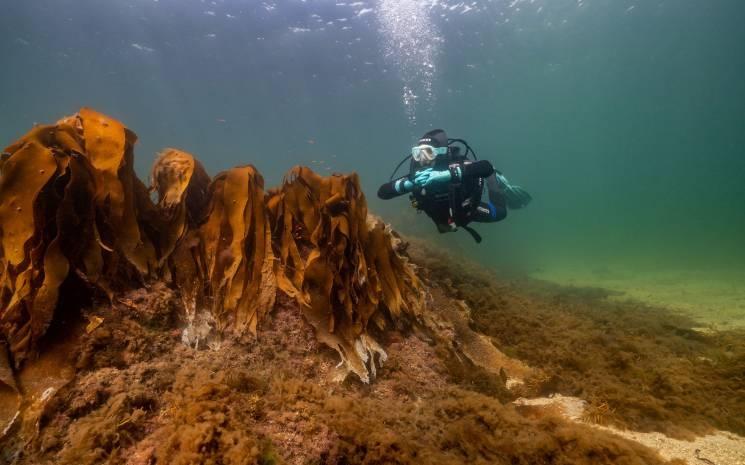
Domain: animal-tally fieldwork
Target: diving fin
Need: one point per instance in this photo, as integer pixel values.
(517, 197)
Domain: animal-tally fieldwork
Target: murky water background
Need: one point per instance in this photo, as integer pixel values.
(624, 118)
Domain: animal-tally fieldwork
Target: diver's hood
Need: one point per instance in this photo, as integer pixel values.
(435, 138)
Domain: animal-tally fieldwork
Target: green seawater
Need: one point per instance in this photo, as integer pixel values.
(625, 119)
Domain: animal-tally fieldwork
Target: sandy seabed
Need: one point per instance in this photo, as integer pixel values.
(715, 298)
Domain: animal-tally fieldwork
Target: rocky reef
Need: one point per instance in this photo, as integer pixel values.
(211, 320)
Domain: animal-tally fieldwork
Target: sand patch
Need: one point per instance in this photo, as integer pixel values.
(719, 448)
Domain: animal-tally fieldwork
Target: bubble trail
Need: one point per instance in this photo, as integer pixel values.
(411, 43)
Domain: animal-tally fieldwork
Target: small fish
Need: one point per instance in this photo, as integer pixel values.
(311, 141)
(142, 47)
(221, 120)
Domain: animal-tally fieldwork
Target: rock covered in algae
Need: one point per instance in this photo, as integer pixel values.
(72, 210)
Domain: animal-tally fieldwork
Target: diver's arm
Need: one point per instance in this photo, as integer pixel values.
(395, 188)
(478, 169)
(454, 172)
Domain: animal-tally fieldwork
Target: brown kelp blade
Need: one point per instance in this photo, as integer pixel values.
(69, 209)
(182, 184)
(337, 267)
(224, 262)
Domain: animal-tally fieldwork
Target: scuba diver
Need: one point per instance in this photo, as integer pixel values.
(448, 186)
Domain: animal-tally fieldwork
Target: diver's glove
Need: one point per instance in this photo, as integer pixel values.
(516, 196)
(430, 177)
(403, 185)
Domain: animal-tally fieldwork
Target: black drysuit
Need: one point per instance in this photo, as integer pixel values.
(459, 201)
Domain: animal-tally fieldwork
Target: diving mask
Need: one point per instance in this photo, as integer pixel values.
(426, 153)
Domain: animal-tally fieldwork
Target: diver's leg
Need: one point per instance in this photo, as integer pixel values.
(495, 209)
(487, 212)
